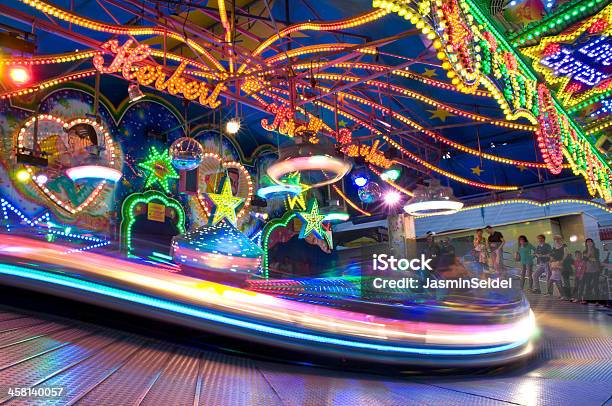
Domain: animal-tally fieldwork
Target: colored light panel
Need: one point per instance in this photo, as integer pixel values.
(158, 166)
(587, 63)
(312, 220)
(220, 247)
(225, 203)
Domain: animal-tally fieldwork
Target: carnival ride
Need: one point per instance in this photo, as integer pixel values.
(462, 331)
(324, 103)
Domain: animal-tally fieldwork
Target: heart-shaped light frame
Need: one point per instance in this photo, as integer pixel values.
(111, 159)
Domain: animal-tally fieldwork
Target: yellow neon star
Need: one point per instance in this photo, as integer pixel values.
(342, 123)
(312, 220)
(430, 73)
(299, 199)
(477, 170)
(225, 204)
(439, 113)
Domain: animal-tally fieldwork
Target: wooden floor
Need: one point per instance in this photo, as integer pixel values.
(100, 366)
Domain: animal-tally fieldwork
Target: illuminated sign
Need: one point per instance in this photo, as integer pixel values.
(127, 56)
(371, 154)
(588, 63)
(156, 212)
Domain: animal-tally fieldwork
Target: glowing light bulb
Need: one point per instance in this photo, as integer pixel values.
(19, 75)
(233, 126)
(22, 175)
(392, 197)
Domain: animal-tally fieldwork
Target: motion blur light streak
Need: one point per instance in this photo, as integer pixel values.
(188, 310)
(281, 316)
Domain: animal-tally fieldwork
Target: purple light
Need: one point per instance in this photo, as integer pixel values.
(392, 197)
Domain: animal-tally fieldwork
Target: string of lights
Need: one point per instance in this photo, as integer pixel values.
(530, 202)
(350, 202)
(319, 26)
(32, 172)
(48, 83)
(51, 59)
(94, 25)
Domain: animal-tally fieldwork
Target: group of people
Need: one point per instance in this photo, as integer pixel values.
(554, 261)
(491, 247)
(558, 265)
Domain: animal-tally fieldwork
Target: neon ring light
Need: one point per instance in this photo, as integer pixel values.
(267, 192)
(432, 199)
(316, 163)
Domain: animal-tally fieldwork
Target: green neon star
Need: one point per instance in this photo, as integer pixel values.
(312, 220)
(225, 204)
(159, 168)
(299, 199)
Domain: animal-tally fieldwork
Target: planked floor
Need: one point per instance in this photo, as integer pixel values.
(102, 366)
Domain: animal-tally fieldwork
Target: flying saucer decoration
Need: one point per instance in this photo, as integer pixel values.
(220, 248)
(318, 165)
(432, 199)
(186, 154)
(334, 212)
(270, 190)
(98, 172)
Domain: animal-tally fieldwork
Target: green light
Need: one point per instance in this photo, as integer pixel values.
(312, 220)
(159, 168)
(128, 218)
(391, 174)
(162, 256)
(267, 231)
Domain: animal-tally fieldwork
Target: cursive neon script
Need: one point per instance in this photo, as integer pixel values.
(127, 56)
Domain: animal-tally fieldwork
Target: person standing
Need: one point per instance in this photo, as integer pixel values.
(432, 250)
(566, 273)
(593, 269)
(480, 250)
(580, 267)
(524, 256)
(496, 245)
(557, 256)
(542, 254)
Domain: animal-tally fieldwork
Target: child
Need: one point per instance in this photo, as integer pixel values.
(524, 256)
(555, 279)
(580, 266)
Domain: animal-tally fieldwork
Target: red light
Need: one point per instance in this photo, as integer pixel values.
(19, 75)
